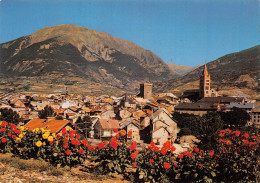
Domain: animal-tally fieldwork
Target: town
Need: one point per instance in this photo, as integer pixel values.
(148, 116)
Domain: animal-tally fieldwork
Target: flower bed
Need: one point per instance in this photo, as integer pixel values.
(235, 158)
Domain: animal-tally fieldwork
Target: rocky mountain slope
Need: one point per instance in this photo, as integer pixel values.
(73, 51)
(240, 69)
(180, 69)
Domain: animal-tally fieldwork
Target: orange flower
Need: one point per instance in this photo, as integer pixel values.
(122, 132)
(134, 165)
(228, 142)
(167, 165)
(163, 151)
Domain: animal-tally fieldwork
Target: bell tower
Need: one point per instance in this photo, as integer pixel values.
(205, 83)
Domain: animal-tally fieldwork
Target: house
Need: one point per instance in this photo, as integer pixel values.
(133, 125)
(103, 128)
(255, 117)
(163, 127)
(54, 126)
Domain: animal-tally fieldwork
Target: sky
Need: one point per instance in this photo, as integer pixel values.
(183, 32)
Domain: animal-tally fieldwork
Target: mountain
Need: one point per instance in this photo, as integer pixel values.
(180, 69)
(72, 51)
(240, 70)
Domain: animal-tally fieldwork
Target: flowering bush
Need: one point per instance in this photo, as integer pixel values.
(234, 159)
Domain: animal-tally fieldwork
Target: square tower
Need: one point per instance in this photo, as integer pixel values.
(146, 90)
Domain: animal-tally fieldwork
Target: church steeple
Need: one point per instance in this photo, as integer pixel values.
(205, 83)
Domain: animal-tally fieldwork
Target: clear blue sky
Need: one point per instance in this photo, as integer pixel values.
(184, 32)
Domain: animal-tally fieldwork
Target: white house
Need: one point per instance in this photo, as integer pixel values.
(104, 128)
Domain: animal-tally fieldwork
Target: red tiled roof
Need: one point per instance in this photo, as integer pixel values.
(35, 123)
(109, 124)
(53, 125)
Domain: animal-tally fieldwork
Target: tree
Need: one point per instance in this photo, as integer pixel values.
(84, 124)
(10, 116)
(46, 112)
(235, 118)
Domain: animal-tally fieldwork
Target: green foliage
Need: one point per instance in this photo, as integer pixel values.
(235, 118)
(46, 112)
(84, 124)
(9, 115)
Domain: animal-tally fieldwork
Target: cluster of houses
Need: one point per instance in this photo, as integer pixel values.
(148, 116)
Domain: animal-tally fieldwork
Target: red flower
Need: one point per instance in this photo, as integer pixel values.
(84, 142)
(77, 136)
(115, 130)
(51, 142)
(65, 140)
(181, 156)
(189, 154)
(134, 165)
(246, 142)
(222, 133)
(211, 153)
(13, 126)
(155, 157)
(101, 145)
(236, 133)
(167, 165)
(58, 136)
(113, 139)
(133, 155)
(152, 144)
(14, 136)
(163, 151)
(130, 133)
(197, 150)
(221, 140)
(246, 135)
(114, 144)
(3, 140)
(9, 134)
(200, 165)
(252, 143)
(185, 153)
(151, 161)
(175, 164)
(167, 144)
(228, 142)
(173, 148)
(68, 152)
(81, 151)
(65, 146)
(132, 147)
(229, 131)
(156, 149)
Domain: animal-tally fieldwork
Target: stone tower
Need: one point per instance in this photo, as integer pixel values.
(146, 90)
(205, 83)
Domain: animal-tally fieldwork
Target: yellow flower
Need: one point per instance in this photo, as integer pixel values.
(22, 128)
(0, 121)
(38, 143)
(36, 129)
(50, 138)
(45, 135)
(21, 136)
(54, 135)
(18, 140)
(43, 143)
(42, 129)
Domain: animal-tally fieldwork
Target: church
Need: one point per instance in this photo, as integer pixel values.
(204, 91)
